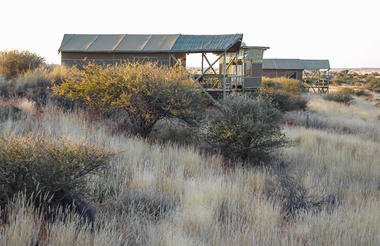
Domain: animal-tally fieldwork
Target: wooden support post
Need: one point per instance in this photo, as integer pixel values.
(328, 80)
(236, 69)
(202, 64)
(224, 75)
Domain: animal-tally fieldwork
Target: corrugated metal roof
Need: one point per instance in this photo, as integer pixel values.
(149, 43)
(282, 64)
(204, 43)
(315, 64)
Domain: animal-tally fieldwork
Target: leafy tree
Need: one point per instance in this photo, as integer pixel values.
(145, 91)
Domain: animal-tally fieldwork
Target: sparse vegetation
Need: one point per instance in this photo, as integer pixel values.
(322, 189)
(352, 91)
(153, 194)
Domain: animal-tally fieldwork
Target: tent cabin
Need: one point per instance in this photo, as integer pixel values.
(289, 68)
(313, 73)
(171, 50)
(295, 68)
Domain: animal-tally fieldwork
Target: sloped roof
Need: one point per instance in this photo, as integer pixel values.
(147, 43)
(202, 43)
(315, 64)
(282, 64)
(295, 64)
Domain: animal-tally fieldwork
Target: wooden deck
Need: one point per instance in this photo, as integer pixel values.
(317, 85)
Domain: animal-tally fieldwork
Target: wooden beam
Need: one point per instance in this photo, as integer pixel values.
(177, 62)
(209, 67)
(208, 62)
(196, 80)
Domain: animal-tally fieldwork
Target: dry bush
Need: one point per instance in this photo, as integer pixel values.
(339, 98)
(346, 90)
(285, 93)
(145, 91)
(14, 62)
(373, 84)
(290, 85)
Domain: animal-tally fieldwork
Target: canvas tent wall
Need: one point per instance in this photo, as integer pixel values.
(290, 68)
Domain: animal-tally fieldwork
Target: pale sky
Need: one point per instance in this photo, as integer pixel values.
(346, 32)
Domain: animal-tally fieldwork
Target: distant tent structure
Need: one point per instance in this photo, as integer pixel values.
(315, 74)
(289, 68)
(239, 67)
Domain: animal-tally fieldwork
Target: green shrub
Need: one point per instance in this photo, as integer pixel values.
(244, 129)
(33, 163)
(283, 100)
(339, 98)
(145, 91)
(14, 62)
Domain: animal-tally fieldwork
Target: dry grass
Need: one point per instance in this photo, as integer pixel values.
(359, 118)
(201, 203)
